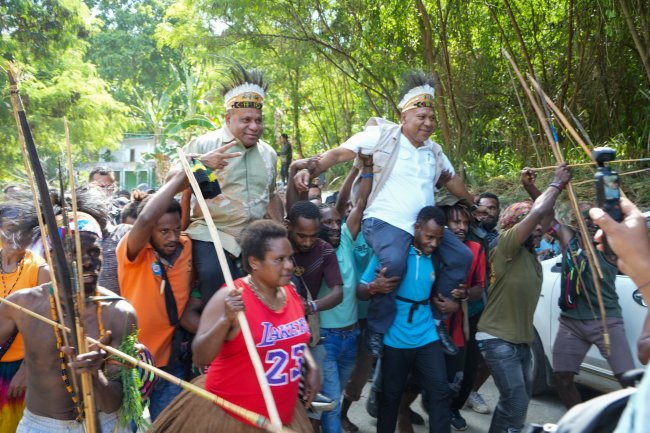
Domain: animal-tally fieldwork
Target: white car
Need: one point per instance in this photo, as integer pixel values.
(594, 370)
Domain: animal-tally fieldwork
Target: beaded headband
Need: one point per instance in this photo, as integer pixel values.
(420, 96)
(245, 96)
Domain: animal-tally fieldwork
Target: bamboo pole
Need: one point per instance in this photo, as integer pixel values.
(257, 419)
(90, 412)
(558, 113)
(589, 248)
(241, 318)
(583, 164)
(627, 173)
(592, 257)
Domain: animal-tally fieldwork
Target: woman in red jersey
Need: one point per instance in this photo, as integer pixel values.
(280, 332)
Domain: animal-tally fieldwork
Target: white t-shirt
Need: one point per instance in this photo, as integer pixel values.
(409, 186)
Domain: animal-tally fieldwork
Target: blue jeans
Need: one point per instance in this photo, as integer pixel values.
(391, 246)
(164, 392)
(340, 358)
(510, 367)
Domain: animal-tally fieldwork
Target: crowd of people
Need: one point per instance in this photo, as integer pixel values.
(376, 283)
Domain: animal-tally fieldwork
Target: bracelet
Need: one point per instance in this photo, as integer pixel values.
(368, 165)
(370, 289)
(554, 228)
(557, 185)
(366, 175)
(313, 306)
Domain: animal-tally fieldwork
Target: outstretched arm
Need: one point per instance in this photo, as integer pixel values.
(326, 160)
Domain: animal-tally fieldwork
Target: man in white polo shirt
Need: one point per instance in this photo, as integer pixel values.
(408, 167)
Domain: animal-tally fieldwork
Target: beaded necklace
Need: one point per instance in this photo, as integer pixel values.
(59, 343)
(2, 272)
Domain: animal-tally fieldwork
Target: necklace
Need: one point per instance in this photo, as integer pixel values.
(59, 343)
(262, 297)
(2, 272)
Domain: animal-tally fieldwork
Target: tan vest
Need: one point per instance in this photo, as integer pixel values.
(384, 155)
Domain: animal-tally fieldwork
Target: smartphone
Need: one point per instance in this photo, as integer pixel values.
(608, 192)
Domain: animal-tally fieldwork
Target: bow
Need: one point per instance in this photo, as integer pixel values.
(592, 258)
(62, 274)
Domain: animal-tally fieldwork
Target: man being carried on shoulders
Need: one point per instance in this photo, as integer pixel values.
(408, 167)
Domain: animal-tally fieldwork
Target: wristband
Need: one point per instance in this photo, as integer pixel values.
(370, 289)
(366, 175)
(557, 185)
(368, 165)
(313, 306)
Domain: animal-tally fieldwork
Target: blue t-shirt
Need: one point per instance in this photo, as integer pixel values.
(416, 286)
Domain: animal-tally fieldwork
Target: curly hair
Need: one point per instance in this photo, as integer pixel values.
(305, 209)
(254, 240)
(429, 213)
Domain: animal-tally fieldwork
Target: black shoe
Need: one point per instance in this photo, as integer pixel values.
(448, 346)
(416, 418)
(322, 403)
(457, 421)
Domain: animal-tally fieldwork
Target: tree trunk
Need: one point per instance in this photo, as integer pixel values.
(641, 47)
(427, 38)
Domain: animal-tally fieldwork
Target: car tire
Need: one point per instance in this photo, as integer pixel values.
(539, 366)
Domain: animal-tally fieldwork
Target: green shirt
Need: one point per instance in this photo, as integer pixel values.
(587, 295)
(515, 285)
(247, 184)
(344, 314)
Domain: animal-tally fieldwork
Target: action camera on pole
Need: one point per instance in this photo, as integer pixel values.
(607, 183)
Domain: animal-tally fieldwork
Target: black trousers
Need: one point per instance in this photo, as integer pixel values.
(428, 364)
(208, 270)
(472, 360)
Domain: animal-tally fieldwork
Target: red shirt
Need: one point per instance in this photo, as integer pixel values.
(476, 277)
(281, 338)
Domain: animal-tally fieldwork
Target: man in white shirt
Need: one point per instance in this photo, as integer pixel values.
(408, 167)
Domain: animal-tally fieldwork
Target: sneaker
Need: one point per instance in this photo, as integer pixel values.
(322, 403)
(476, 403)
(457, 421)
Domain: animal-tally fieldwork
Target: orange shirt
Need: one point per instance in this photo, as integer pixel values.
(141, 287)
(24, 277)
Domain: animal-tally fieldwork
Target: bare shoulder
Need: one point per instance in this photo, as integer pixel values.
(29, 298)
(118, 312)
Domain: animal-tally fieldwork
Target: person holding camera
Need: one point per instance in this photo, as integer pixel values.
(580, 320)
(629, 240)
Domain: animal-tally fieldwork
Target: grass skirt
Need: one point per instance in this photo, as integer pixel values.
(189, 413)
(11, 410)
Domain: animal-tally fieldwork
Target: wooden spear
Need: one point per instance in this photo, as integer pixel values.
(77, 278)
(254, 418)
(241, 318)
(592, 258)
